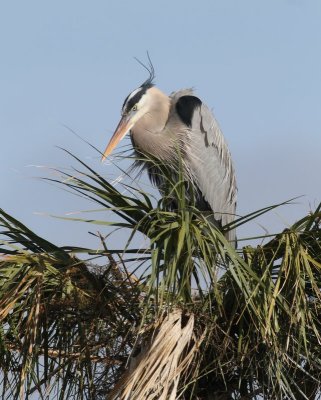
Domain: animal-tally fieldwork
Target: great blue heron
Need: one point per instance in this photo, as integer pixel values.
(158, 124)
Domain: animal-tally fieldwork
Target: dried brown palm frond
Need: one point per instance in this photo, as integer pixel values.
(164, 358)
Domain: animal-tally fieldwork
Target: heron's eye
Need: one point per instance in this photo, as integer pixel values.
(134, 108)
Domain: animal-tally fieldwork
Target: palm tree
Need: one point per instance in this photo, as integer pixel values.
(186, 317)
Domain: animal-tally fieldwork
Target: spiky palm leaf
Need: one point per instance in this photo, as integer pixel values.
(74, 329)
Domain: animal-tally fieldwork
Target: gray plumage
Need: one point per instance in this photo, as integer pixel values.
(159, 123)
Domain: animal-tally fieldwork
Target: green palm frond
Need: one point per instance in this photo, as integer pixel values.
(75, 321)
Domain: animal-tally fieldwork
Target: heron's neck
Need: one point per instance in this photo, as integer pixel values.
(149, 132)
(156, 116)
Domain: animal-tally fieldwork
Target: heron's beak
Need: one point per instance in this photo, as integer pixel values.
(123, 127)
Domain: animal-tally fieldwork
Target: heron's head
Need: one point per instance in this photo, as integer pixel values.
(147, 100)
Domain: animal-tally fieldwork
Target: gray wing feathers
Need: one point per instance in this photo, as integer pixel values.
(210, 163)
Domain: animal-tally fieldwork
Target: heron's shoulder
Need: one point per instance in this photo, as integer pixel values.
(174, 96)
(184, 103)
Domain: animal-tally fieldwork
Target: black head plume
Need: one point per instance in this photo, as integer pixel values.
(137, 94)
(150, 69)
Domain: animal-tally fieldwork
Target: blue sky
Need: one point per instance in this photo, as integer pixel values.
(256, 63)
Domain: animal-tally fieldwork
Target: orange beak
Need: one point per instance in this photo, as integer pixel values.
(122, 128)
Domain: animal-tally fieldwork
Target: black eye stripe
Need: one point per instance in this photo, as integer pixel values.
(129, 104)
(135, 99)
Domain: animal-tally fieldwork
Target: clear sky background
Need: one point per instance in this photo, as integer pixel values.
(256, 63)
